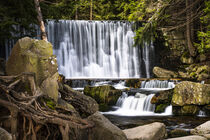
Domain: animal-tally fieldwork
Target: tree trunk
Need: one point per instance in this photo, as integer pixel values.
(188, 30)
(91, 9)
(40, 20)
(76, 11)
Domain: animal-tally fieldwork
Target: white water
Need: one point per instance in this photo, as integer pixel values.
(97, 49)
(138, 105)
(157, 84)
(201, 113)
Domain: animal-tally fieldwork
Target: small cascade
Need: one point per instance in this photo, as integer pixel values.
(121, 99)
(138, 105)
(147, 105)
(201, 113)
(157, 84)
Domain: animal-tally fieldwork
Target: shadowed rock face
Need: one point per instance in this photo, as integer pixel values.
(153, 131)
(30, 55)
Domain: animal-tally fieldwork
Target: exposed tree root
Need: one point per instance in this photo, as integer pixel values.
(36, 116)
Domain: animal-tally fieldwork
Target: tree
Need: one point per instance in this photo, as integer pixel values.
(40, 20)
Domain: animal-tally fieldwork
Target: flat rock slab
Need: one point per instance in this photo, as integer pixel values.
(193, 137)
(202, 129)
(153, 131)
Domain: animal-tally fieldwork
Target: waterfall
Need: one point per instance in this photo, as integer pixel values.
(98, 49)
(201, 113)
(138, 105)
(157, 84)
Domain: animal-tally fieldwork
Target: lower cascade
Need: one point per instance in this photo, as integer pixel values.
(138, 105)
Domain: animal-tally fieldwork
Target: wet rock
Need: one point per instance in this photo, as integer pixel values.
(134, 83)
(164, 73)
(153, 131)
(4, 135)
(162, 99)
(104, 95)
(31, 55)
(104, 129)
(85, 105)
(191, 93)
(194, 137)
(202, 129)
(2, 66)
(178, 133)
(160, 108)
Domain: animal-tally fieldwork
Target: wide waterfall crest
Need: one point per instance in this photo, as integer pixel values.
(96, 49)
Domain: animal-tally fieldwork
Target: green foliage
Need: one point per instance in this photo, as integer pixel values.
(204, 36)
(16, 12)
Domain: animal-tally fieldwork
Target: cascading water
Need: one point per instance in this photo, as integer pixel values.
(138, 105)
(98, 49)
(157, 84)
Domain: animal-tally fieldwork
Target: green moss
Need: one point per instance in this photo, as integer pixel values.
(160, 108)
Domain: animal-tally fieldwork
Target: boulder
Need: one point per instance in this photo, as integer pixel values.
(193, 137)
(164, 73)
(202, 129)
(153, 131)
(4, 135)
(2, 66)
(31, 55)
(191, 93)
(104, 95)
(85, 105)
(104, 129)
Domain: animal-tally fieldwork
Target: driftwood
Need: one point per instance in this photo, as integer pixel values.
(30, 116)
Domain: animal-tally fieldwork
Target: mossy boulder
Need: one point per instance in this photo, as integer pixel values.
(103, 94)
(164, 73)
(31, 55)
(160, 108)
(191, 93)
